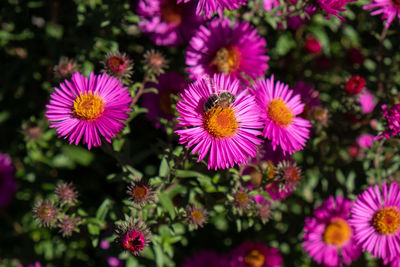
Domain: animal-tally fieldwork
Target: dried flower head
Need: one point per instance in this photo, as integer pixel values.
(133, 235)
(141, 193)
(196, 216)
(119, 65)
(65, 68)
(66, 193)
(45, 213)
(242, 200)
(155, 62)
(289, 174)
(31, 132)
(320, 115)
(66, 225)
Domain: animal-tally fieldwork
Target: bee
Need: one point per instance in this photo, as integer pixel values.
(224, 99)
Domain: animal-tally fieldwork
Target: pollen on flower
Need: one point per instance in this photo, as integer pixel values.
(254, 258)
(387, 220)
(337, 233)
(227, 60)
(88, 106)
(279, 112)
(220, 122)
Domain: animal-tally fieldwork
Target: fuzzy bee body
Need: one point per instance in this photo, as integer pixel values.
(224, 100)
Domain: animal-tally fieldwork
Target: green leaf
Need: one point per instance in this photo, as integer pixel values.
(103, 210)
(78, 154)
(166, 202)
(93, 229)
(164, 168)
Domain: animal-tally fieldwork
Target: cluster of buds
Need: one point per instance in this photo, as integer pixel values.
(49, 213)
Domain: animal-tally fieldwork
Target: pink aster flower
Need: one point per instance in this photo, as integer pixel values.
(395, 262)
(226, 128)
(376, 221)
(390, 9)
(367, 102)
(393, 120)
(205, 258)
(333, 7)
(250, 254)
(7, 180)
(159, 105)
(280, 110)
(87, 108)
(276, 192)
(365, 140)
(270, 4)
(328, 237)
(167, 22)
(236, 50)
(211, 6)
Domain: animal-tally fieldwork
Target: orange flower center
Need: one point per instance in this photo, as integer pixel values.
(227, 60)
(140, 192)
(270, 170)
(387, 220)
(197, 215)
(256, 178)
(337, 233)
(171, 12)
(254, 259)
(241, 198)
(279, 112)
(220, 122)
(88, 106)
(165, 103)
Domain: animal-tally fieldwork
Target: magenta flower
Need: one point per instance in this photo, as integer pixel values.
(236, 50)
(279, 111)
(390, 9)
(205, 258)
(328, 237)
(211, 6)
(271, 4)
(365, 140)
(133, 235)
(367, 102)
(333, 7)
(167, 22)
(275, 192)
(7, 181)
(228, 132)
(250, 254)
(376, 221)
(87, 108)
(393, 120)
(159, 105)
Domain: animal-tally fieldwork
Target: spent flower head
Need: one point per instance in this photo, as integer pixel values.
(155, 62)
(196, 216)
(65, 68)
(289, 174)
(141, 193)
(119, 65)
(242, 201)
(45, 213)
(66, 225)
(66, 193)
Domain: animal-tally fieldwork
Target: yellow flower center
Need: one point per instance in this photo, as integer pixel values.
(197, 215)
(387, 220)
(279, 112)
(220, 122)
(227, 60)
(140, 192)
(171, 12)
(241, 198)
(254, 259)
(88, 106)
(337, 233)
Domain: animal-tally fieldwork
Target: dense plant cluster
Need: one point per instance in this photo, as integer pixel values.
(221, 133)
